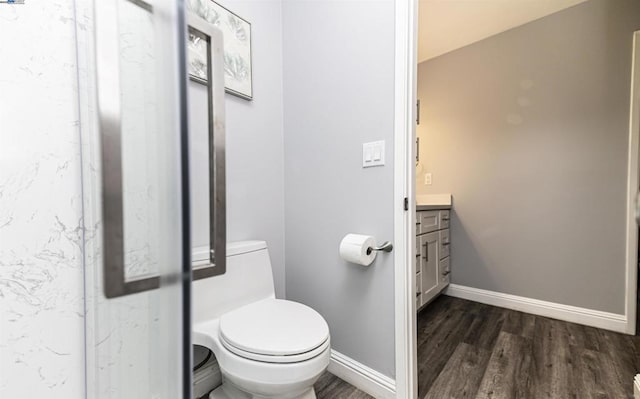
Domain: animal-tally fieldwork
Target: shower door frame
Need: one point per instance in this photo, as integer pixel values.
(178, 283)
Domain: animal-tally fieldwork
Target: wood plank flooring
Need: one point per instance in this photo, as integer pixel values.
(471, 350)
(331, 387)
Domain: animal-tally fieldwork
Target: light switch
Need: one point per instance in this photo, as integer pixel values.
(373, 154)
(367, 154)
(376, 154)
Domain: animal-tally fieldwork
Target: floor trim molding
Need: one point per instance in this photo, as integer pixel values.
(573, 314)
(362, 377)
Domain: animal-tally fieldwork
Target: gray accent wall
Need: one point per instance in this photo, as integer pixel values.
(255, 153)
(338, 94)
(529, 131)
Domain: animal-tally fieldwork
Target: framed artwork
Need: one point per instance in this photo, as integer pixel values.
(237, 48)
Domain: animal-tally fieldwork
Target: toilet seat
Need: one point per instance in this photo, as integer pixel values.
(274, 331)
(293, 358)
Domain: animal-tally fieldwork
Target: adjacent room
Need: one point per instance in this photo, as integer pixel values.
(521, 189)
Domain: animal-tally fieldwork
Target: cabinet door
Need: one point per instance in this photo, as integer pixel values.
(429, 265)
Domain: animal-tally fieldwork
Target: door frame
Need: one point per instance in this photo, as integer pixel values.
(632, 190)
(406, 48)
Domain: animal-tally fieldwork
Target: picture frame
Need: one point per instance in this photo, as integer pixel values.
(238, 63)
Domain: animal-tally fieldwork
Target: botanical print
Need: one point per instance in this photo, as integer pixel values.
(237, 47)
(197, 55)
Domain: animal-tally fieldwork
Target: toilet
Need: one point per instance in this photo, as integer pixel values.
(265, 347)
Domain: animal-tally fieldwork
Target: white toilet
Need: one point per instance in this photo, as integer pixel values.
(265, 347)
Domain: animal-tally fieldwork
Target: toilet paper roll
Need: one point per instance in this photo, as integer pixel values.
(353, 248)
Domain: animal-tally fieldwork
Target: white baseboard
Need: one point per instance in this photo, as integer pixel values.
(595, 318)
(362, 377)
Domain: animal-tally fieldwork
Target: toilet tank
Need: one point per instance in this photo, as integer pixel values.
(248, 278)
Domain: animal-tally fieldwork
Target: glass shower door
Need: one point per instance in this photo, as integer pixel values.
(137, 255)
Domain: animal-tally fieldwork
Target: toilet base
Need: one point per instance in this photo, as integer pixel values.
(229, 391)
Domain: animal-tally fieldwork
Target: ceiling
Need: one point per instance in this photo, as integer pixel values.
(446, 25)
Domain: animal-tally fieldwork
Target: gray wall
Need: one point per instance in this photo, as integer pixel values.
(255, 158)
(338, 93)
(528, 130)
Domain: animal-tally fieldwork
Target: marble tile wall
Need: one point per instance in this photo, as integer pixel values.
(41, 227)
(47, 184)
(59, 336)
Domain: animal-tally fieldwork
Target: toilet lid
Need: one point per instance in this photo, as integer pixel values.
(274, 327)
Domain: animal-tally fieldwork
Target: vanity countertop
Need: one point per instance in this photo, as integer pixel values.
(433, 201)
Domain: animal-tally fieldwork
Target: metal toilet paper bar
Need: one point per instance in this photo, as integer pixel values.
(385, 247)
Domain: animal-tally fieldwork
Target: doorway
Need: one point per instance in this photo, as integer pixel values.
(615, 310)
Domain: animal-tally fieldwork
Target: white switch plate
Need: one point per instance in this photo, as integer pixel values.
(427, 179)
(373, 154)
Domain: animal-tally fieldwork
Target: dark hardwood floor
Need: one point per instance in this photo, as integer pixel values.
(470, 350)
(331, 387)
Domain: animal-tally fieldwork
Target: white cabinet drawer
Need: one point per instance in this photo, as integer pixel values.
(429, 221)
(443, 219)
(445, 243)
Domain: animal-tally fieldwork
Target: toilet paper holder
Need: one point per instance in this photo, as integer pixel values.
(385, 247)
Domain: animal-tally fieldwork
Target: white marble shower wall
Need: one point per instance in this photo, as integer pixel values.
(50, 247)
(41, 232)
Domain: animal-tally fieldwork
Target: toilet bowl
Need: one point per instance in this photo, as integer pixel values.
(265, 347)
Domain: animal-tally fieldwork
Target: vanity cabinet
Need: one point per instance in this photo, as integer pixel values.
(433, 265)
